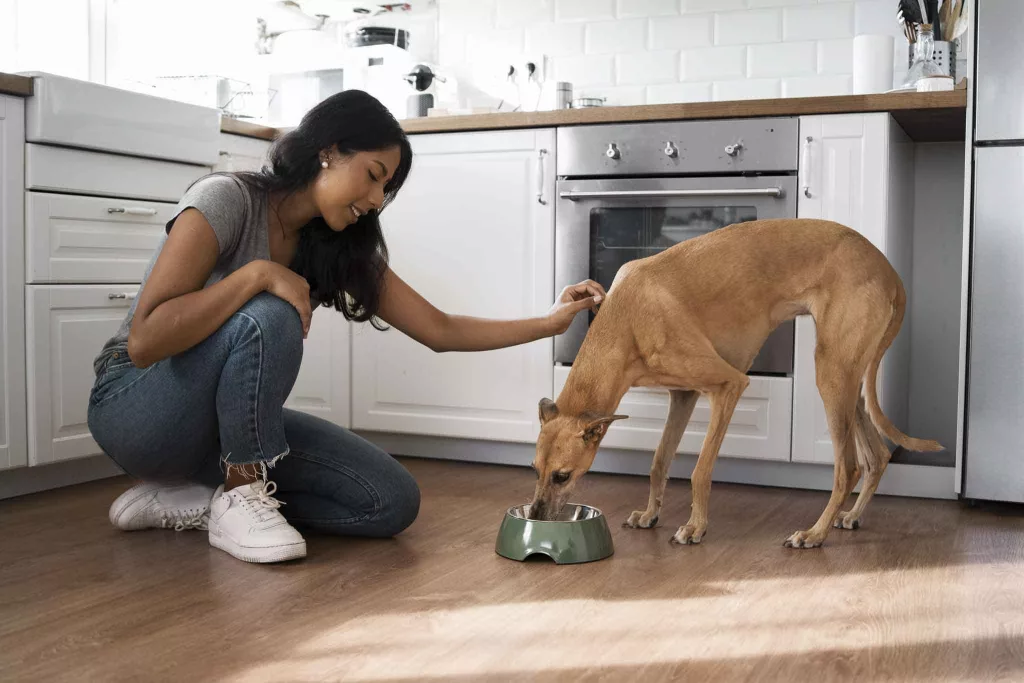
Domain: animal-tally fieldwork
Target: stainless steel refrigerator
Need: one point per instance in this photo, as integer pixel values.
(994, 447)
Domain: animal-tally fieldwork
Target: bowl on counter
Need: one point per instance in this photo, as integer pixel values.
(579, 534)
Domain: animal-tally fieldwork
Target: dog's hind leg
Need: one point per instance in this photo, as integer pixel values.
(679, 411)
(873, 457)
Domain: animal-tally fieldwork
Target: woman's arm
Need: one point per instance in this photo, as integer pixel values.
(175, 312)
(402, 307)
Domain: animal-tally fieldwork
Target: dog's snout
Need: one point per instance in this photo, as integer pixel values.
(537, 510)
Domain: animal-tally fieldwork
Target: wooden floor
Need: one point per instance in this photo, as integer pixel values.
(925, 591)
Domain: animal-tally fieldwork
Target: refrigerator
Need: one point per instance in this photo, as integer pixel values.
(994, 436)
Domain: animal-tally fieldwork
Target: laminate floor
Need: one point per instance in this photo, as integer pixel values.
(924, 591)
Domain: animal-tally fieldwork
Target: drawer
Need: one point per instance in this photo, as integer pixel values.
(761, 425)
(73, 113)
(89, 239)
(56, 169)
(65, 327)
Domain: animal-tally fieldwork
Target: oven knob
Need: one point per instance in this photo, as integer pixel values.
(670, 150)
(612, 152)
(733, 150)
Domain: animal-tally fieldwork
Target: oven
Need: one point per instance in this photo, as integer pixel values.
(625, 192)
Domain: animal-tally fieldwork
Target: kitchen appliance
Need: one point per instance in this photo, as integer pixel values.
(300, 91)
(994, 428)
(629, 191)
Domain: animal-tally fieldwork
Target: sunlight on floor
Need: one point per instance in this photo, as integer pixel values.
(742, 619)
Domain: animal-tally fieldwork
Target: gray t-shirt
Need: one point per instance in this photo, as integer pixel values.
(238, 216)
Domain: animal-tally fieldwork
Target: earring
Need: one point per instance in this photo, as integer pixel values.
(323, 164)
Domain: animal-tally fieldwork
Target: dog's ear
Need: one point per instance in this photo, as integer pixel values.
(598, 425)
(548, 410)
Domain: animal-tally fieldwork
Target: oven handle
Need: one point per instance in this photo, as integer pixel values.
(574, 195)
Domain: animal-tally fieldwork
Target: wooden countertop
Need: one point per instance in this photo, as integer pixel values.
(19, 86)
(247, 129)
(926, 117)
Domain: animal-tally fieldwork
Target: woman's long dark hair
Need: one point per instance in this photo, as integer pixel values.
(344, 269)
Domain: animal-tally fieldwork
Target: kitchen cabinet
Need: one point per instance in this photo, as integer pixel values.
(323, 387)
(66, 326)
(13, 438)
(857, 170)
(473, 231)
(238, 153)
(759, 429)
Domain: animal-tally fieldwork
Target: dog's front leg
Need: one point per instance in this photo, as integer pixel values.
(679, 411)
(723, 400)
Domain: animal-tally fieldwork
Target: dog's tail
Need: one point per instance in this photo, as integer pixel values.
(878, 418)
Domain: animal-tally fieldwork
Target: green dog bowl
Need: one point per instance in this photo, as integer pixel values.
(579, 534)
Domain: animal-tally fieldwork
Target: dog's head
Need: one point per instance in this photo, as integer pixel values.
(565, 451)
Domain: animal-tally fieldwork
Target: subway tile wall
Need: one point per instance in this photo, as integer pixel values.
(660, 51)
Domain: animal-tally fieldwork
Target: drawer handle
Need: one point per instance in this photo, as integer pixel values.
(132, 211)
(128, 296)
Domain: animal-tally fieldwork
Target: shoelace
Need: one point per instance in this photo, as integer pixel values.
(264, 505)
(185, 519)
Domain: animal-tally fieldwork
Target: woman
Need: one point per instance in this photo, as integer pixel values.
(189, 393)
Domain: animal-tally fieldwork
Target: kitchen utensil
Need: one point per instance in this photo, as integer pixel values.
(579, 534)
(912, 11)
(872, 63)
(909, 31)
(936, 20)
(943, 55)
(587, 102)
(960, 23)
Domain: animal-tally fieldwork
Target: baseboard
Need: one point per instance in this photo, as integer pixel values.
(917, 481)
(26, 480)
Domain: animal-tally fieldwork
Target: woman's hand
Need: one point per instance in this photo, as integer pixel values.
(286, 284)
(572, 300)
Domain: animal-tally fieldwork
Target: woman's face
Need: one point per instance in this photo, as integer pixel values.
(352, 185)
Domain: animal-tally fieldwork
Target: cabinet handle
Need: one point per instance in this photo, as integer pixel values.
(805, 166)
(540, 177)
(127, 296)
(132, 211)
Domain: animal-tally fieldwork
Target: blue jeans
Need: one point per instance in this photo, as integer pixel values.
(222, 400)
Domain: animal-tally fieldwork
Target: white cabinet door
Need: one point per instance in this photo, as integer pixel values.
(323, 387)
(473, 231)
(759, 429)
(13, 444)
(240, 153)
(856, 170)
(66, 326)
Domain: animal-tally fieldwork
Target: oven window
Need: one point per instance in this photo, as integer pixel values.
(624, 234)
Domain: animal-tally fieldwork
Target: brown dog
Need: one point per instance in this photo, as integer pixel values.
(693, 318)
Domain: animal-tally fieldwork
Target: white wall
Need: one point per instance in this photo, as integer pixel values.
(655, 51)
(935, 291)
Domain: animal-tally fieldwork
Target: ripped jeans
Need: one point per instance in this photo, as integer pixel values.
(222, 400)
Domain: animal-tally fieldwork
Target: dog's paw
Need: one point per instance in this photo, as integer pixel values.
(639, 519)
(846, 520)
(803, 539)
(688, 534)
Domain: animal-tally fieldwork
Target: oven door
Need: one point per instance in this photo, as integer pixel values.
(602, 224)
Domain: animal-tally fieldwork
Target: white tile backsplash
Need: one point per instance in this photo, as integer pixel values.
(657, 51)
(555, 40)
(646, 68)
(715, 63)
(782, 59)
(682, 32)
(678, 92)
(524, 12)
(748, 27)
(820, 22)
(646, 8)
(612, 37)
(747, 89)
(583, 10)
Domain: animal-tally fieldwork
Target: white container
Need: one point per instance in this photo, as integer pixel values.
(71, 113)
(872, 64)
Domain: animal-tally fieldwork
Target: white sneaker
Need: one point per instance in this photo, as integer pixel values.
(245, 523)
(158, 506)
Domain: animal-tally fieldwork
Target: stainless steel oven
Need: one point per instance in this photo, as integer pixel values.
(629, 191)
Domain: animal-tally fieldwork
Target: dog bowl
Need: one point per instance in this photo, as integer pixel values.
(579, 534)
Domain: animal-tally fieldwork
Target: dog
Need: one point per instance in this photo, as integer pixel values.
(693, 318)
